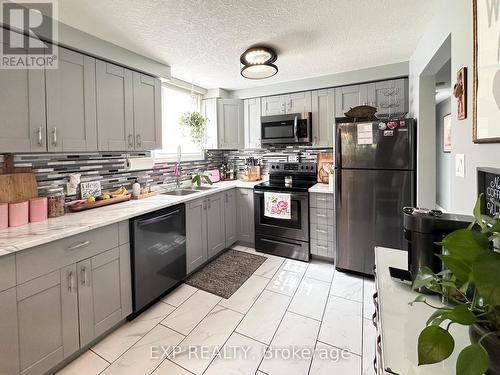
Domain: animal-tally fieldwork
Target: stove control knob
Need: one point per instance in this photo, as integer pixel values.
(272, 166)
(277, 167)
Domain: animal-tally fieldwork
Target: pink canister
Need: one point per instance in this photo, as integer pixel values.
(18, 213)
(4, 215)
(38, 209)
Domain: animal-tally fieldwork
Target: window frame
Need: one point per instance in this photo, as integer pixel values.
(165, 156)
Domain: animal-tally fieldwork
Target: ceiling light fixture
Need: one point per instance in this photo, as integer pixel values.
(257, 63)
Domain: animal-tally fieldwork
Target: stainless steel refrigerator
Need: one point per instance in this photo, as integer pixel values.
(375, 178)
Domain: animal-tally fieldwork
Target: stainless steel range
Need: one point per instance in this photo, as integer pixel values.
(284, 232)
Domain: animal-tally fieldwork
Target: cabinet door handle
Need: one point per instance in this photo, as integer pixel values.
(321, 215)
(84, 276)
(321, 231)
(54, 137)
(130, 141)
(138, 140)
(79, 245)
(39, 136)
(209, 203)
(71, 281)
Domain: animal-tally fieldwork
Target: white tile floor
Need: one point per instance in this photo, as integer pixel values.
(285, 303)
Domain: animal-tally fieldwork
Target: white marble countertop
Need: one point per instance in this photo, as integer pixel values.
(401, 323)
(322, 188)
(34, 234)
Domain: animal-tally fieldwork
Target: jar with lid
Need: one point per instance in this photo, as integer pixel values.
(56, 204)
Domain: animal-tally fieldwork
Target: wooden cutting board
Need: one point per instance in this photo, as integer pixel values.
(16, 184)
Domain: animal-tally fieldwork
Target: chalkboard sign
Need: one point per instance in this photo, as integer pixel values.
(488, 183)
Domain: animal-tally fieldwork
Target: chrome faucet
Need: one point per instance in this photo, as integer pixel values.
(178, 174)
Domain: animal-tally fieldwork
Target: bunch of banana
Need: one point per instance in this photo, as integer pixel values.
(119, 192)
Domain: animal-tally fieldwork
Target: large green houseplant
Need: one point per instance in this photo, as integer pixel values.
(471, 284)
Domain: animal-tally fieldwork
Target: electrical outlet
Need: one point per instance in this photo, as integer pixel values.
(460, 165)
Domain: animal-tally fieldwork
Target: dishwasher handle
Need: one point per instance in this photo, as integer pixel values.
(157, 218)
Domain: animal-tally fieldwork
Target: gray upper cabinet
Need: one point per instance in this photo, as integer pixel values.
(48, 320)
(323, 117)
(348, 97)
(216, 232)
(71, 103)
(224, 128)
(289, 103)
(147, 112)
(245, 215)
(389, 97)
(22, 109)
(273, 105)
(115, 117)
(230, 123)
(99, 297)
(298, 102)
(230, 217)
(252, 113)
(9, 339)
(196, 234)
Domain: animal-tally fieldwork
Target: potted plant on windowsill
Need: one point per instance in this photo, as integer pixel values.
(471, 284)
(195, 123)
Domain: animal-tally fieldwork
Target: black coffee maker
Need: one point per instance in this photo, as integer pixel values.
(422, 229)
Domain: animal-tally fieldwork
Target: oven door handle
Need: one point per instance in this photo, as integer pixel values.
(292, 195)
(281, 242)
(157, 219)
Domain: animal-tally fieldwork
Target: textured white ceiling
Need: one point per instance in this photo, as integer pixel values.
(202, 39)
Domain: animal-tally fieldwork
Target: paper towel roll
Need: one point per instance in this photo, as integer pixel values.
(140, 164)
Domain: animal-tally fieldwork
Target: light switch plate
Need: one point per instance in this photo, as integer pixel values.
(460, 165)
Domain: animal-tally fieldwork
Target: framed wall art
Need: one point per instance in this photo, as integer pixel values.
(460, 93)
(486, 91)
(447, 133)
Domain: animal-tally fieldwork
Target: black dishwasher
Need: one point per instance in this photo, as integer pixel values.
(158, 255)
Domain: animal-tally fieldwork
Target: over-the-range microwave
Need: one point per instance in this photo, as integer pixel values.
(290, 128)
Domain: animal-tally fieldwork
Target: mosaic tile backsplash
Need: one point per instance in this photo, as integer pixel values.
(52, 170)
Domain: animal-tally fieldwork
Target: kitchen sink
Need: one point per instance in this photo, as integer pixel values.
(180, 192)
(203, 187)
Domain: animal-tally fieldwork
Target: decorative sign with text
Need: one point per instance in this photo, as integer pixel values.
(488, 183)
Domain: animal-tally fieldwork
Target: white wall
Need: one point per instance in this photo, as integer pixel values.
(455, 19)
(376, 73)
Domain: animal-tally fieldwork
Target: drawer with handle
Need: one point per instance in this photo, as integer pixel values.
(321, 216)
(49, 257)
(322, 248)
(324, 201)
(322, 232)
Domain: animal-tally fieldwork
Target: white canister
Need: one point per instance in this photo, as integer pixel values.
(330, 181)
(136, 189)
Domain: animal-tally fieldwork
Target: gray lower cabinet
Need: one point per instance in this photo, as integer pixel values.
(245, 215)
(216, 224)
(322, 225)
(71, 103)
(9, 337)
(99, 297)
(46, 318)
(115, 112)
(47, 310)
(196, 234)
(230, 217)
